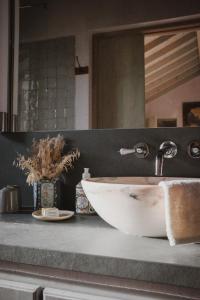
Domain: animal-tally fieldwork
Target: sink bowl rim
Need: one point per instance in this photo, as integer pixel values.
(132, 180)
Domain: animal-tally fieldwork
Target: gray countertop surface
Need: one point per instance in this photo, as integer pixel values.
(88, 244)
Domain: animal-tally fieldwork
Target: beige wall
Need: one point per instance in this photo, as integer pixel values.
(169, 106)
(81, 17)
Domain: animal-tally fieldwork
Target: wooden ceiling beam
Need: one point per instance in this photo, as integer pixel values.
(149, 38)
(171, 84)
(164, 44)
(156, 41)
(198, 41)
(170, 47)
(173, 74)
(189, 43)
(180, 53)
(170, 68)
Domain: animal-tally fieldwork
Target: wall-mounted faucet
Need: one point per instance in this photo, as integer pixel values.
(141, 150)
(167, 149)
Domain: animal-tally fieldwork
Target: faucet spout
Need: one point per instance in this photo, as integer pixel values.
(159, 163)
(167, 149)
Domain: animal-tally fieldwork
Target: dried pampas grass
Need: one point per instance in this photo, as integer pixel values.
(46, 161)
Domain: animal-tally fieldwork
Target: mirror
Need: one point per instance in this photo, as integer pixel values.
(72, 74)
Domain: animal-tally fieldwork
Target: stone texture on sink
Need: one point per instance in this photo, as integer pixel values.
(134, 205)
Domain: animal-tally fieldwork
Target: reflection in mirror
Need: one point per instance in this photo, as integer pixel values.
(172, 79)
(136, 79)
(46, 85)
(126, 97)
(118, 80)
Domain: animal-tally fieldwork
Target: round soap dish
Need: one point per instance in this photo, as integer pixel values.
(64, 215)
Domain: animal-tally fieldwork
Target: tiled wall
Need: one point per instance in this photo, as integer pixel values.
(100, 152)
(46, 85)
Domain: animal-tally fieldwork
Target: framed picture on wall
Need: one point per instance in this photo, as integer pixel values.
(191, 114)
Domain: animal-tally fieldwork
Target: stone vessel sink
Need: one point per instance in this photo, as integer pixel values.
(134, 205)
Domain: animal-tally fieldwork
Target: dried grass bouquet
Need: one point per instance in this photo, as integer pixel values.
(47, 160)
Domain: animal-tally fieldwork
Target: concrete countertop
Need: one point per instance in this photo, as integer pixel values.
(88, 244)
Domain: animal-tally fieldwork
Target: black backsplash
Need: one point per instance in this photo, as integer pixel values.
(99, 152)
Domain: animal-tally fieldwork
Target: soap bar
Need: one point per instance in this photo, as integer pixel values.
(50, 212)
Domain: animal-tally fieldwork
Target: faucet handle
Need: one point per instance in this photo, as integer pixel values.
(141, 150)
(124, 151)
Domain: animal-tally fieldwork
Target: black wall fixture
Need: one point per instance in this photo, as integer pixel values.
(100, 152)
(81, 70)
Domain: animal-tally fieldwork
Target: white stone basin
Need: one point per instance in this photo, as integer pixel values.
(134, 205)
